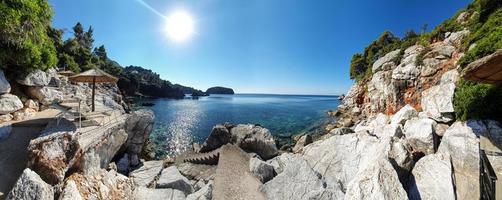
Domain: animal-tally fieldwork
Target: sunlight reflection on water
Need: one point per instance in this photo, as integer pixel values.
(178, 133)
(179, 123)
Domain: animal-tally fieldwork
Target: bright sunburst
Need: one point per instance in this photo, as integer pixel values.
(180, 26)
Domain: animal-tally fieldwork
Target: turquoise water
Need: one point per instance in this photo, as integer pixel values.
(179, 123)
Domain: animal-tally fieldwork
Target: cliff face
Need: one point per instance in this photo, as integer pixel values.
(397, 83)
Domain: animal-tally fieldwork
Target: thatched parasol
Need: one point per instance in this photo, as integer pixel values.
(94, 76)
(66, 73)
(485, 70)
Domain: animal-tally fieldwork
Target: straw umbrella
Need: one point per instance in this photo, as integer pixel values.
(94, 76)
(66, 73)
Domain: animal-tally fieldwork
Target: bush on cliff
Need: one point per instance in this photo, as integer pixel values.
(361, 64)
(488, 38)
(24, 42)
(478, 101)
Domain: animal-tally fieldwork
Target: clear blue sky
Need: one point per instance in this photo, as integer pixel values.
(253, 46)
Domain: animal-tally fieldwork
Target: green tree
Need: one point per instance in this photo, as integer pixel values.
(24, 41)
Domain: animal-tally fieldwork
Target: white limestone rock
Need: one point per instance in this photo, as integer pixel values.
(462, 145)
(143, 193)
(172, 178)
(450, 77)
(419, 134)
(253, 138)
(31, 186)
(384, 63)
(9, 103)
(296, 181)
(437, 102)
(37, 78)
(145, 175)
(376, 181)
(432, 178)
(405, 113)
(45, 95)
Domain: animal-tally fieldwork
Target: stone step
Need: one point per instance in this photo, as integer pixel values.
(233, 180)
(209, 158)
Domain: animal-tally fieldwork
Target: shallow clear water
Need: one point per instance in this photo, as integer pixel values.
(178, 123)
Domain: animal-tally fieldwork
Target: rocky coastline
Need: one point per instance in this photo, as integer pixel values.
(395, 136)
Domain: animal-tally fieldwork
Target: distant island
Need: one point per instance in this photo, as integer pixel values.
(219, 90)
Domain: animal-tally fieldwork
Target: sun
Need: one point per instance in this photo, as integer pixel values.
(179, 26)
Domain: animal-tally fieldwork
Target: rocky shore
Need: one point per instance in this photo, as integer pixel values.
(395, 136)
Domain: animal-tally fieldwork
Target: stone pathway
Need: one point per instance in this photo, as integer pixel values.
(233, 179)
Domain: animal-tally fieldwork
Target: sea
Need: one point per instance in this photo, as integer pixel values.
(181, 122)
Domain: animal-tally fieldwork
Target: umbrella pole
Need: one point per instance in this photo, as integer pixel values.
(93, 91)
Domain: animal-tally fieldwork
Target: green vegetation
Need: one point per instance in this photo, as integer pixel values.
(24, 41)
(478, 101)
(361, 64)
(487, 39)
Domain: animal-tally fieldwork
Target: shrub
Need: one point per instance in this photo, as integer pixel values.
(25, 44)
(488, 38)
(478, 101)
(360, 66)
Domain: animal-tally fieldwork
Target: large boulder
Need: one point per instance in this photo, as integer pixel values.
(406, 72)
(405, 113)
(249, 137)
(419, 134)
(103, 185)
(262, 170)
(298, 181)
(254, 138)
(31, 186)
(339, 158)
(9, 103)
(138, 127)
(219, 136)
(385, 62)
(377, 181)
(146, 174)
(99, 154)
(142, 193)
(45, 95)
(54, 154)
(437, 102)
(172, 178)
(4, 84)
(50, 156)
(432, 178)
(381, 91)
(462, 145)
(37, 78)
